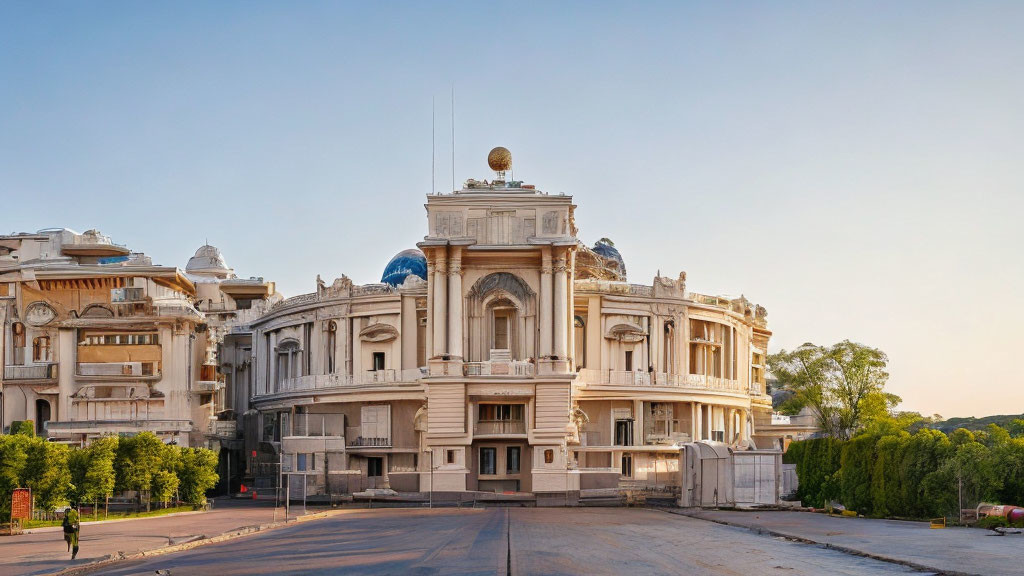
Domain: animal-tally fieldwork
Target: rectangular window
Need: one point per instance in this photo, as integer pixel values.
(488, 461)
(627, 465)
(378, 361)
(501, 412)
(41, 349)
(375, 424)
(662, 415)
(305, 462)
(718, 435)
(624, 432)
(629, 361)
(512, 459)
(450, 456)
(374, 467)
(269, 426)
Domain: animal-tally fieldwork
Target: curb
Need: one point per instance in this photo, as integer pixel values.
(201, 541)
(826, 545)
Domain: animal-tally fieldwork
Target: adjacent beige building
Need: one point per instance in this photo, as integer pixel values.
(97, 340)
(503, 356)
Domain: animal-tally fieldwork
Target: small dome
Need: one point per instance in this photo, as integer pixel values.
(499, 159)
(606, 249)
(208, 260)
(405, 263)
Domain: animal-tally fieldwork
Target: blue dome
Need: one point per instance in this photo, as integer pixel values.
(402, 265)
(606, 250)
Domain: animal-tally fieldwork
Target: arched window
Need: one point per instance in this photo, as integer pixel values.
(18, 340)
(580, 338)
(42, 416)
(669, 342)
(289, 360)
(41, 349)
(501, 309)
(332, 345)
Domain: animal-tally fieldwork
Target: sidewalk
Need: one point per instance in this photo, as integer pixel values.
(950, 551)
(85, 523)
(44, 551)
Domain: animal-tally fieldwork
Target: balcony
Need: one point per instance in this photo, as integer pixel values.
(223, 428)
(206, 386)
(92, 243)
(30, 372)
(117, 426)
(509, 368)
(499, 427)
(334, 382)
(118, 370)
(361, 442)
(589, 377)
(318, 425)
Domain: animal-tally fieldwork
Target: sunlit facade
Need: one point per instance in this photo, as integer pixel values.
(504, 356)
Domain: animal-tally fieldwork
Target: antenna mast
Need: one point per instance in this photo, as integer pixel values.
(453, 136)
(433, 139)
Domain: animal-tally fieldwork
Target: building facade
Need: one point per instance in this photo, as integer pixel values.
(97, 340)
(503, 356)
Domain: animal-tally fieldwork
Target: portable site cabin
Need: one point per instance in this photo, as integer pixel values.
(715, 475)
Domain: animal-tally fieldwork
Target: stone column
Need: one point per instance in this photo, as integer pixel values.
(561, 317)
(455, 303)
(544, 308)
(694, 421)
(440, 311)
(638, 423)
(429, 344)
(272, 372)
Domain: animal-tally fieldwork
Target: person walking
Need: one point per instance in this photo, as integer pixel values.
(72, 525)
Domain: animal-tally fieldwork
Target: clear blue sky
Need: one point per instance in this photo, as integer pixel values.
(854, 167)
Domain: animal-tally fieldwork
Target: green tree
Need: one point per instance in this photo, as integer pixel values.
(1017, 428)
(197, 473)
(1008, 467)
(996, 435)
(165, 480)
(47, 473)
(138, 458)
(839, 383)
(92, 469)
(23, 427)
(968, 472)
(13, 456)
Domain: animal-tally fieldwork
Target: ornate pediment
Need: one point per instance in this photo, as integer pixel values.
(378, 332)
(39, 314)
(626, 332)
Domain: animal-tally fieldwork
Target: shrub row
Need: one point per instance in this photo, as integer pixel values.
(59, 474)
(903, 475)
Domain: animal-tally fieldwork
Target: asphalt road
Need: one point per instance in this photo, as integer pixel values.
(592, 541)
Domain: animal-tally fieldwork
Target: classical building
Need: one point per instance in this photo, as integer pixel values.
(504, 356)
(97, 340)
(229, 304)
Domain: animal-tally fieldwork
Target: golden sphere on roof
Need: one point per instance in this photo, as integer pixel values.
(500, 159)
